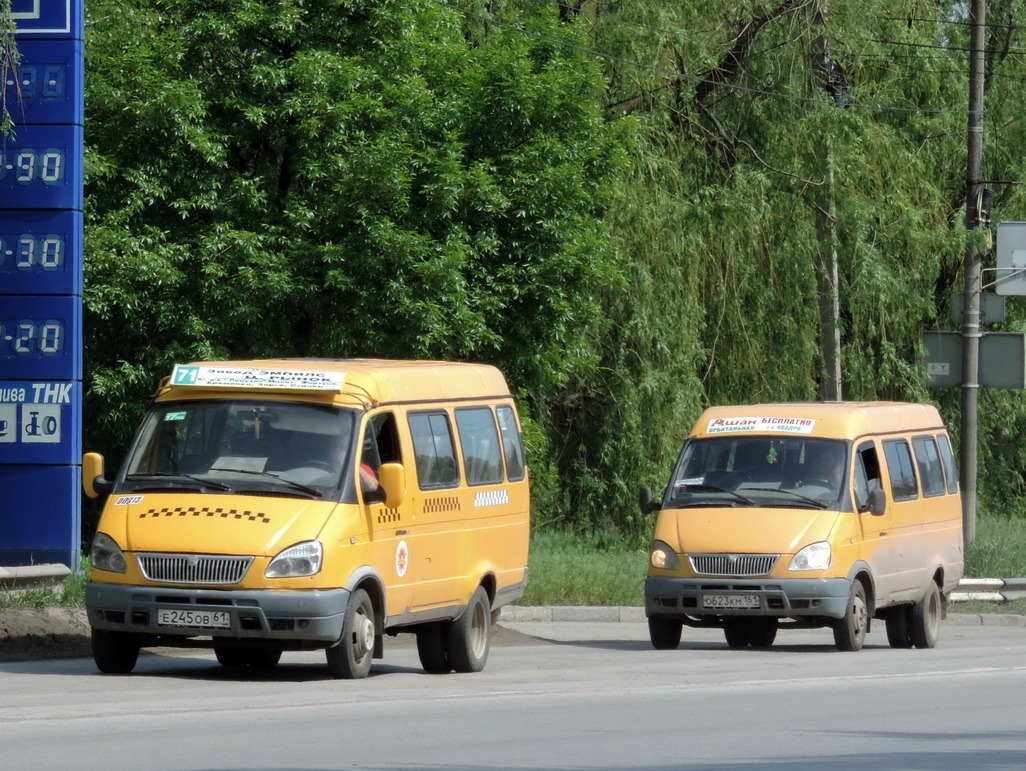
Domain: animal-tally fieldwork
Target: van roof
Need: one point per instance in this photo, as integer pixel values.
(834, 419)
(353, 382)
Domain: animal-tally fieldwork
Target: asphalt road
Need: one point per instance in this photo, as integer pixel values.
(564, 695)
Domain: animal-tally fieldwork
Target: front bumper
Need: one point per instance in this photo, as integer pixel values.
(780, 598)
(313, 616)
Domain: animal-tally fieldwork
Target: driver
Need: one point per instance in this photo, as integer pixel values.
(824, 468)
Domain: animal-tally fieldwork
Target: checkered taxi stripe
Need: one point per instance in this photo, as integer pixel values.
(192, 511)
(441, 504)
(491, 498)
(387, 516)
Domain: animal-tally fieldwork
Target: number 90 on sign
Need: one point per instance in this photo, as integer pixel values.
(28, 337)
(28, 165)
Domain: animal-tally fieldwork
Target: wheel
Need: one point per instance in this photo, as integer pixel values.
(850, 631)
(115, 653)
(433, 648)
(257, 658)
(925, 619)
(470, 635)
(350, 658)
(665, 633)
(736, 632)
(898, 621)
(762, 632)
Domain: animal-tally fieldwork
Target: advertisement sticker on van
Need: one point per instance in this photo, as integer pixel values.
(240, 377)
(780, 425)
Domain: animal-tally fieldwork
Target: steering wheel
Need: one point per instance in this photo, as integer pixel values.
(320, 465)
(816, 482)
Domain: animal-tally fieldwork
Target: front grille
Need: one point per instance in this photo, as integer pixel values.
(733, 565)
(194, 568)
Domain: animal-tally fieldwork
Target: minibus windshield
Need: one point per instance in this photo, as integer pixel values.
(757, 470)
(241, 445)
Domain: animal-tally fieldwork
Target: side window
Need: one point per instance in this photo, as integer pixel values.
(434, 450)
(867, 474)
(512, 447)
(479, 441)
(899, 466)
(928, 461)
(948, 457)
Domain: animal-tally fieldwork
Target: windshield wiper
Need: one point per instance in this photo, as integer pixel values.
(312, 491)
(714, 489)
(170, 476)
(807, 499)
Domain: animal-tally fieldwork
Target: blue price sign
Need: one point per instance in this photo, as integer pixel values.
(41, 168)
(40, 515)
(48, 18)
(38, 422)
(47, 86)
(40, 337)
(39, 252)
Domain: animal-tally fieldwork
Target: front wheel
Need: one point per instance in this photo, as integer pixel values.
(115, 653)
(665, 633)
(850, 631)
(350, 658)
(470, 635)
(926, 619)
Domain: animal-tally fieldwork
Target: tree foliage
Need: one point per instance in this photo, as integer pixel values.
(621, 204)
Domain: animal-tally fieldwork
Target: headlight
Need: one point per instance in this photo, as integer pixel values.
(661, 556)
(107, 555)
(815, 556)
(303, 559)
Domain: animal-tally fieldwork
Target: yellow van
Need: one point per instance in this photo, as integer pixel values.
(807, 515)
(278, 505)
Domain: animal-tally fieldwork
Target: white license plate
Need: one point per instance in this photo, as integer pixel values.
(730, 601)
(210, 619)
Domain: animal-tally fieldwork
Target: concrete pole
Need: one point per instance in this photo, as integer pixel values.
(973, 276)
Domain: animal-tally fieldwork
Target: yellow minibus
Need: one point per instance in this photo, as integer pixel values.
(296, 504)
(807, 515)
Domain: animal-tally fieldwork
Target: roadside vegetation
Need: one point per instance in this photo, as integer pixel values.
(602, 569)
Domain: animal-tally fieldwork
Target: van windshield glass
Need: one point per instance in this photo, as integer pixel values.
(227, 445)
(757, 470)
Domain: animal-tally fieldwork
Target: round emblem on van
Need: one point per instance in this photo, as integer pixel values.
(402, 558)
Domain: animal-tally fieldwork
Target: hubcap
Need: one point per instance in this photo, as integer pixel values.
(364, 633)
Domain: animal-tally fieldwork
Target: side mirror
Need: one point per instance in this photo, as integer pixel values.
(392, 478)
(645, 501)
(93, 481)
(877, 501)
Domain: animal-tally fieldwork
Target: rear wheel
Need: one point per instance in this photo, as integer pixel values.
(470, 635)
(350, 657)
(926, 619)
(762, 632)
(433, 648)
(898, 621)
(850, 631)
(115, 653)
(255, 658)
(735, 630)
(665, 633)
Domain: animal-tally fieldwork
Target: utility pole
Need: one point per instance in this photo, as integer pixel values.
(973, 275)
(835, 83)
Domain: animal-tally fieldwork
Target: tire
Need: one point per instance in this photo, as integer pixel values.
(433, 648)
(665, 633)
(925, 619)
(470, 635)
(115, 653)
(762, 632)
(735, 630)
(255, 658)
(350, 658)
(850, 631)
(898, 621)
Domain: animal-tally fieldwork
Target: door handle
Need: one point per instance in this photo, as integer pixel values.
(401, 532)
